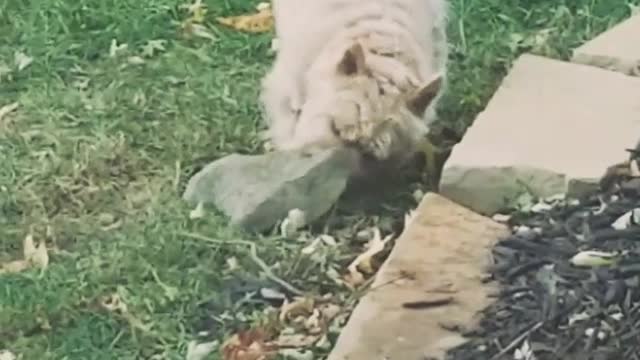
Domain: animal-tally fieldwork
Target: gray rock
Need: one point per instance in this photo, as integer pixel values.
(488, 190)
(578, 188)
(256, 191)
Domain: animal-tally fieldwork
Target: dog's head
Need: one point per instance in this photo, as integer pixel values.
(362, 99)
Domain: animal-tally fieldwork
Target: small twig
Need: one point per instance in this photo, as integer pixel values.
(428, 304)
(517, 340)
(253, 252)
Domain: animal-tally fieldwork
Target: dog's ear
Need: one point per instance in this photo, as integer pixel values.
(353, 61)
(422, 98)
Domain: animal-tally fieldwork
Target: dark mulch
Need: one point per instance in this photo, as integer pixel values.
(558, 310)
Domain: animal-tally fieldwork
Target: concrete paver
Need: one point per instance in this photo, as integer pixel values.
(616, 49)
(443, 252)
(550, 123)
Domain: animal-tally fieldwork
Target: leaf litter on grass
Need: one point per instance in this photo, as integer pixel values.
(33, 256)
(304, 323)
(193, 25)
(258, 22)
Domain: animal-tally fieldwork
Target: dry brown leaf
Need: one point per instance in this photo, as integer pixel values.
(330, 311)
(296, 340)
(315, 324)
(8, 109)
(248, 345)
(14, 267)
(114, 304)
(261, 21)
(301, 306)
(35, 255)
(41, 257)
(197, 11)
(363, 261)
(354, 279)
(28, 247)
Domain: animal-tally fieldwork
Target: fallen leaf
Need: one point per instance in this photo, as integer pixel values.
(579, 317)
(627, 219)
(315, 324)
(232, 263)
(263, 6)
(198, 212)
(375, 246)
(524, 352)
(296, 340)
(197, 11)
(524, 202)
(7, 355)
(328, 240)
(354, 279)
(8, 109)
(501, 218)
(21, 60)
(299, 306)
(296, 219)
(28, 247)
(418, 194)
(41, 257)
(116, 48)
(114, 304)
(135, 60)
(541, 208)
(323, 343)
(275, 45)
(296, 354)
(35, 255)
(594, 258)
(271, 294)
(200, 351)
(311, 248)
(248, 345)
(330, 311)
(14, 267)
(190, 29)
(261, 21)
(152, 47)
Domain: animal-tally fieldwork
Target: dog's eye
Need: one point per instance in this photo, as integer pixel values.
(381, 91)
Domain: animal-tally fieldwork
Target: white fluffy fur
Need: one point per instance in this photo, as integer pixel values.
(308, 102)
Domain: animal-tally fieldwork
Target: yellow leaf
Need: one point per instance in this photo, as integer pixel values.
(28, 247)
(261, 21)
(14, 267)
(300, 306)
(41, 256)
(8, 109)
(197, 10)
(363, 261)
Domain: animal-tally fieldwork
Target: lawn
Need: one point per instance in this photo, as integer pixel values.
(105, 136)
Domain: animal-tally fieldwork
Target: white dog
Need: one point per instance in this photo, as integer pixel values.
(366, 73)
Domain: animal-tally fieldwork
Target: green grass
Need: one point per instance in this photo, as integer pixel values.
(95, 157)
